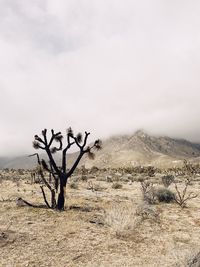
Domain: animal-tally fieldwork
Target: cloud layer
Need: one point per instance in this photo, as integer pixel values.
(106, 66)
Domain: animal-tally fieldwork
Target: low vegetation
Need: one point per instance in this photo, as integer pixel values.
(165, 195)
(167, 180)
(183, 196)
(107, 212)
(117, 185)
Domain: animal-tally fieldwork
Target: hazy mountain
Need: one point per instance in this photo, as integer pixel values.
(22, 162)
(4, 161)
(143, 149)
(126, 150)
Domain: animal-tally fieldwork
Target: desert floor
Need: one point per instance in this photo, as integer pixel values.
(99, 228)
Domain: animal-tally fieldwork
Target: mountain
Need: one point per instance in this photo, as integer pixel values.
(143, 149)
(21, 162)
(26, 162)
(4, 161)
(139, 148)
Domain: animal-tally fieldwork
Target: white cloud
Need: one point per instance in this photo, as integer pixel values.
(106, 66)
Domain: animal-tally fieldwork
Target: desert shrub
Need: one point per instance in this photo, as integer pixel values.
(194, 261)
(120, 217)
(125, 221)
(94, 169)
(167, 180)
(73, 185)
(6, 170)
(165, 195)
(20, 171)
(84, 178)
(109, 179)
(145, 211)
(148, 191)
(95, 186)
(181, 197)
(189, 168)
(150, 171)
(125, 179)
(117, 185)
(133, 179)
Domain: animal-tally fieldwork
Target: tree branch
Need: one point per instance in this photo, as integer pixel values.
(75, 163)
(52, 161)
(38, 157)
(85, 140)
(44, 196)
(53, 137)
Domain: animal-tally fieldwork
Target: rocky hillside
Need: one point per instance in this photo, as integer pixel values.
(143, 149)
(127, 150)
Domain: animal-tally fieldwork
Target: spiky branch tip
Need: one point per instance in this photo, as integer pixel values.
(98, 144)
(36, 145)
(70, 132)
(79, 138)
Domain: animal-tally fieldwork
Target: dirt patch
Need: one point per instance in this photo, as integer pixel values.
(105, 228)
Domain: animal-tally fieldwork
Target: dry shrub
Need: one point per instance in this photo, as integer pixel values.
(73, 185)
(167, 180)
(94, 169)
(126, 222)
(189, 259)
(7, 236)
(145, 211)
(194, 261)
(6, 170)
(148, 191)
(83, 208)
(120, 217)
(117, 185)
(165, 195)
(109, 179)
(84, 178)
(95, 186)
(183, 196)
(20, 171)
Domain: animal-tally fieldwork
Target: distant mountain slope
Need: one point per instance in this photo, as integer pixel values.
(25, 162)
(126, 150)
(22, 162)
(165, 145)
(4, 161)
(143, 149)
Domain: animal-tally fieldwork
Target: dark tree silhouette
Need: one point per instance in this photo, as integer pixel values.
(61, 174)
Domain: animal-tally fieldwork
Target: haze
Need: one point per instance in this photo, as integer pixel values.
(108, 66)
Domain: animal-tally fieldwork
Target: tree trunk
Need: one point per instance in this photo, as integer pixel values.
(53, 199)
(61, 196)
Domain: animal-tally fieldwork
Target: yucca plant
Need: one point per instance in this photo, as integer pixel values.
(60, 173)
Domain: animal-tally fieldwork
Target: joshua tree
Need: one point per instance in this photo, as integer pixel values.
(61, 173)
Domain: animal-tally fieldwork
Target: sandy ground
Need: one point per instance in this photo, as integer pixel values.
(97, 229)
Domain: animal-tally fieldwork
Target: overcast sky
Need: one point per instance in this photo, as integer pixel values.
(107, 66)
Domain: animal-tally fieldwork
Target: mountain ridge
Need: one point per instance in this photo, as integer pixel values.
(135, 149)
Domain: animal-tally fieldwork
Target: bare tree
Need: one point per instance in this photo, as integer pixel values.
(182, 197)
(61, 173)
